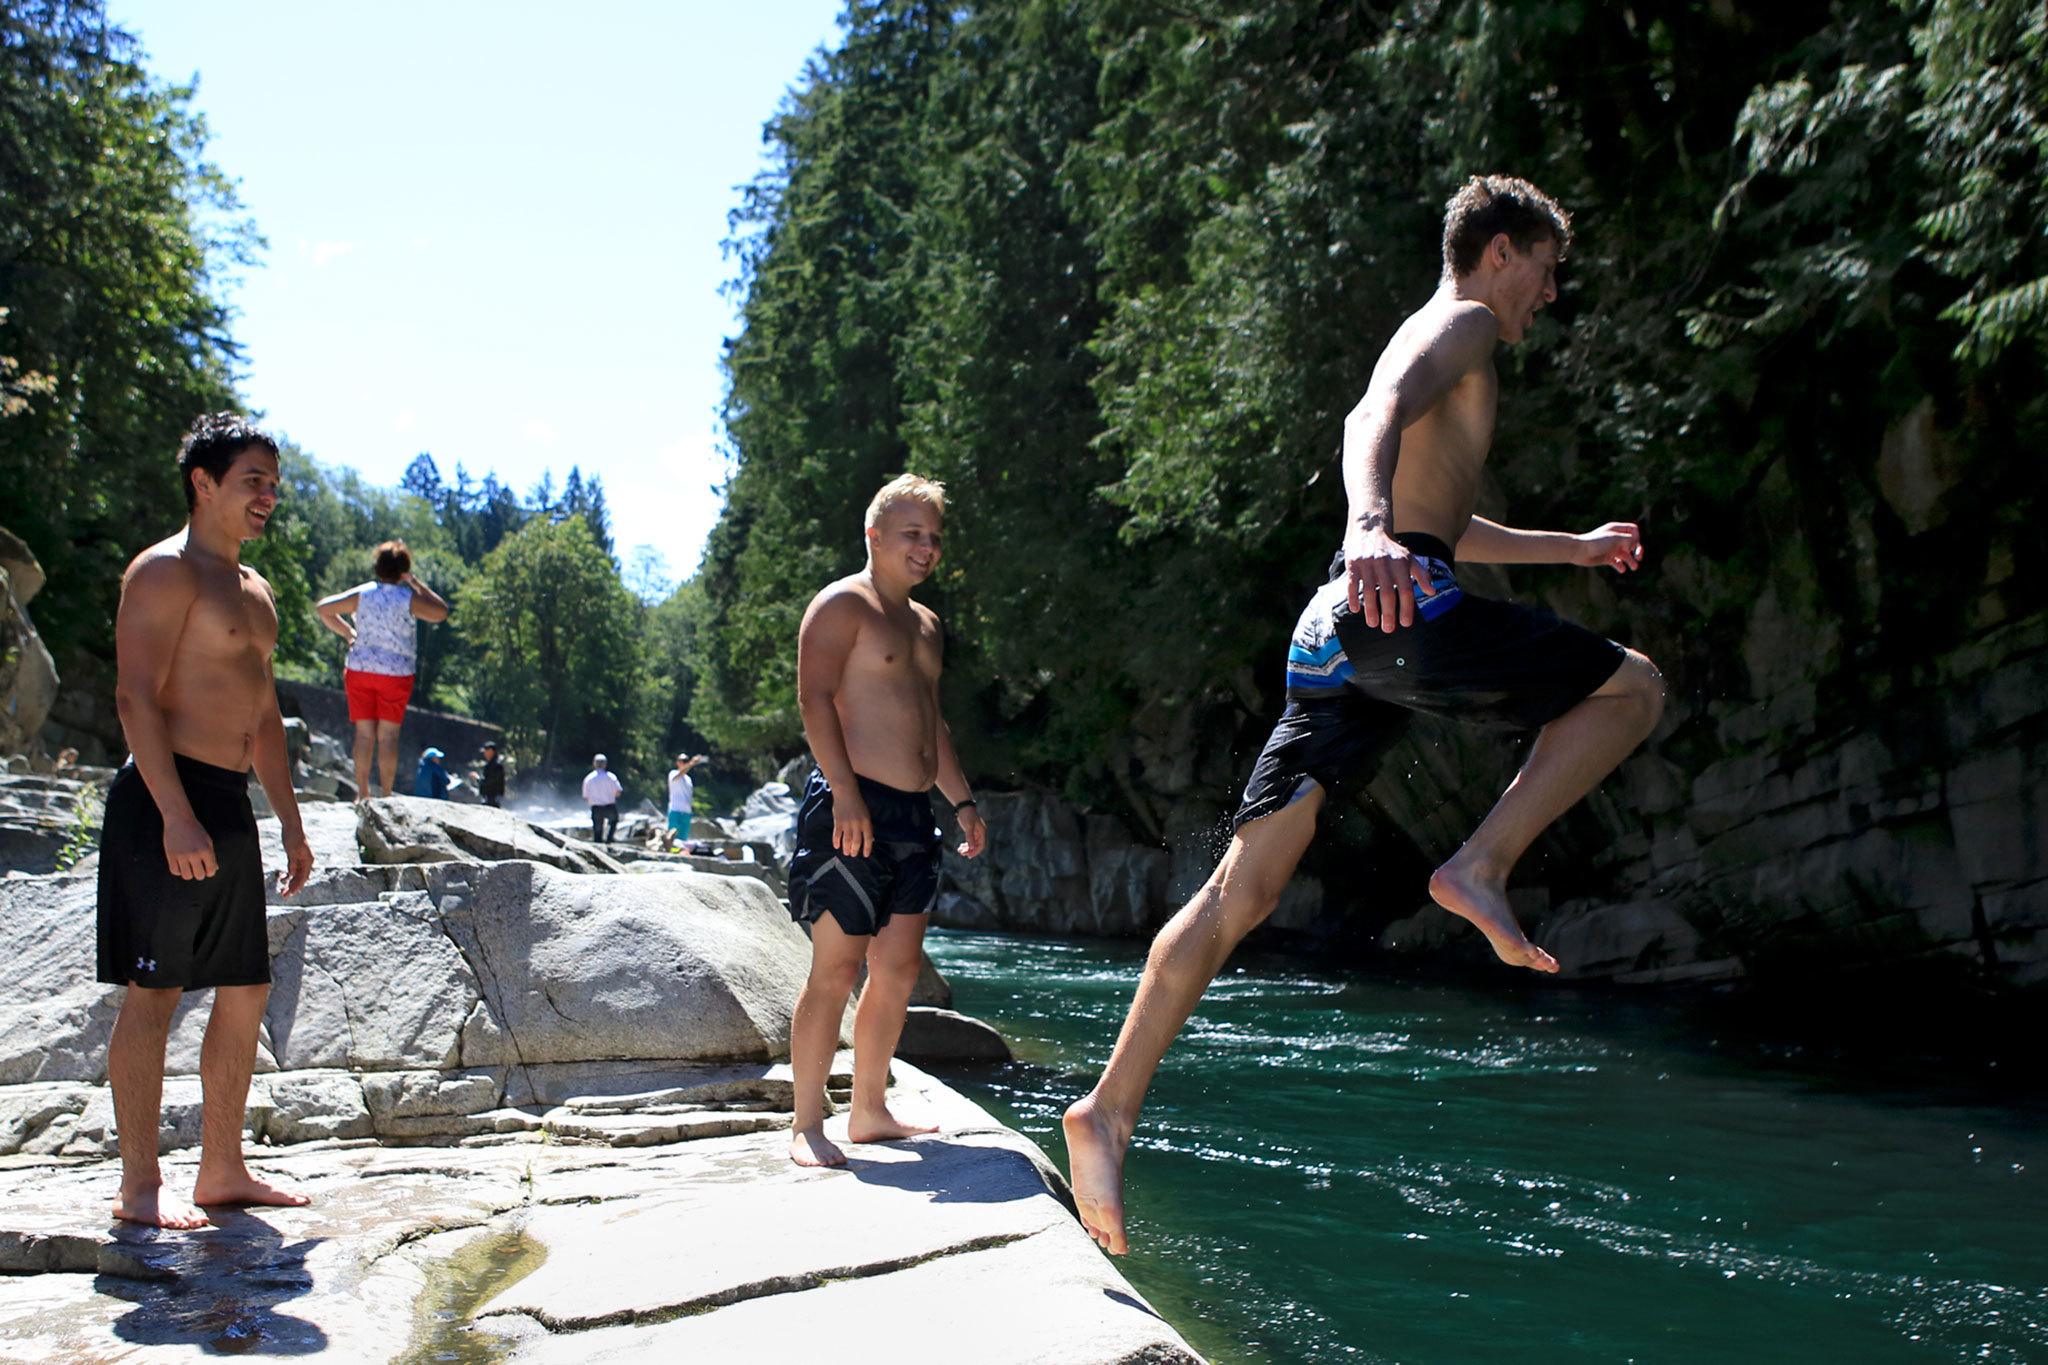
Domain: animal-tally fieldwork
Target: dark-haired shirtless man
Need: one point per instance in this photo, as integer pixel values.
(1393, 633)
(181, 905)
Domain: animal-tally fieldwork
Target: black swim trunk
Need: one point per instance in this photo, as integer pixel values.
(900, 876)
(164, 931)
(1351, 689)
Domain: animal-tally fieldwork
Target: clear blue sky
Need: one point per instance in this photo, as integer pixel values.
(494, 229)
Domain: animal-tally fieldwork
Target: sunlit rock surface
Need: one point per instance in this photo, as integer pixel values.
(542, 1116)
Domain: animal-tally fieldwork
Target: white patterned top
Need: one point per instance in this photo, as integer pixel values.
(384, 630)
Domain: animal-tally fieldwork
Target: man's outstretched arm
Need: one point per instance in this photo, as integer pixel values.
(1411, 378)
(1618, 545)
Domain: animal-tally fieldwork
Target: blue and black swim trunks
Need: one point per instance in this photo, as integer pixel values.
(900, 875)
(1351, 689)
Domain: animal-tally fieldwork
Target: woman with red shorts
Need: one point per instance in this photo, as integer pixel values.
(381, 656)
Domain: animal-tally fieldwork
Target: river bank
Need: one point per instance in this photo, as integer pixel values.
(1334, 1166)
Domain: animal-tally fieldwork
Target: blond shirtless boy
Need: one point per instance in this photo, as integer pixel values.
(866, 869)
(181, 905)
(1392, 633)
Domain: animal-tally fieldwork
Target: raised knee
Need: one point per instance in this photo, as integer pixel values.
(1646, 686)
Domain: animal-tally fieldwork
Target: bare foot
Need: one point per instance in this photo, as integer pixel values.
(246, 1189)
(1484, 901)
(1095, 1153)
(152, 1208)
(883, 1127)
(810, 1147)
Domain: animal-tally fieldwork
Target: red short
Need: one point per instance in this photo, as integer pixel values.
(376, 696)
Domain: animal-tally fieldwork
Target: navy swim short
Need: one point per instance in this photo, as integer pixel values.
(1351, 689)
(162, 931)
(900, 876)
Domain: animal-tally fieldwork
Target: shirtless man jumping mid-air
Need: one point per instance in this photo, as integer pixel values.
(866, 869)
(1393, 633)
(181, 871)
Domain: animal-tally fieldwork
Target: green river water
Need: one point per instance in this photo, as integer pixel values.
(1334, 1167)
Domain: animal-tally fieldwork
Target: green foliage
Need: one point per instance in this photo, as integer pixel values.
(113, 237)
(558, 642)
(1984, 77)
(814, 401)
(84, 835)
(1116, 271)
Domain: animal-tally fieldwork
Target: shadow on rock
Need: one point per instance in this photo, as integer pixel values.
(955, 1172)
(217, 1288)
(1117, 1296)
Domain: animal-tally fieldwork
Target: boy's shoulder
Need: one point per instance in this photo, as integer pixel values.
(852, 595)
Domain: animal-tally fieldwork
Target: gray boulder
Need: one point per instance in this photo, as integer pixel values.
(936, 1035)
(768, 816)
(330, 833)
(676, 967)
(18, 562)
(412, 829)
(932, 988)
(487, 966)
(54, 1018)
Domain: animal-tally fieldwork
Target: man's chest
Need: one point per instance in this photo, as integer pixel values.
(898, 645)
(231, 616)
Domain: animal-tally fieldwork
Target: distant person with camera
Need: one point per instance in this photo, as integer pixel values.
(682, 797)
(382, 657)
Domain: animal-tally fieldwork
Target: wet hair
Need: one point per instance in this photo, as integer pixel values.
(907, 487)
(1489, 205)
(213, 443)
(394, 561)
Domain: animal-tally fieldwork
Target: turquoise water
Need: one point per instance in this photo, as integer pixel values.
(1336, 1167)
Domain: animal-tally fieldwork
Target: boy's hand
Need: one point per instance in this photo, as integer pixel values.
(188, 848)
(1618, 546)
(853, 830)
(1378, 570)
(298, 866)
(975, 830)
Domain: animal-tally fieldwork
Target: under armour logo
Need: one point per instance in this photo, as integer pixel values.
(145, 964)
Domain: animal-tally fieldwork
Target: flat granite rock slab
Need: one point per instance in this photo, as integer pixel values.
(555, 1251)
(1046, 1297)
(330, 832)
(776, 1226)
(263, 1281)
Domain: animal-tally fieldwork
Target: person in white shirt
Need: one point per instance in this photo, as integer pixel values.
(601, 789)
(681, 793)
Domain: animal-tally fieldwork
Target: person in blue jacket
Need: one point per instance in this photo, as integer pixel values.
(432, 778)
